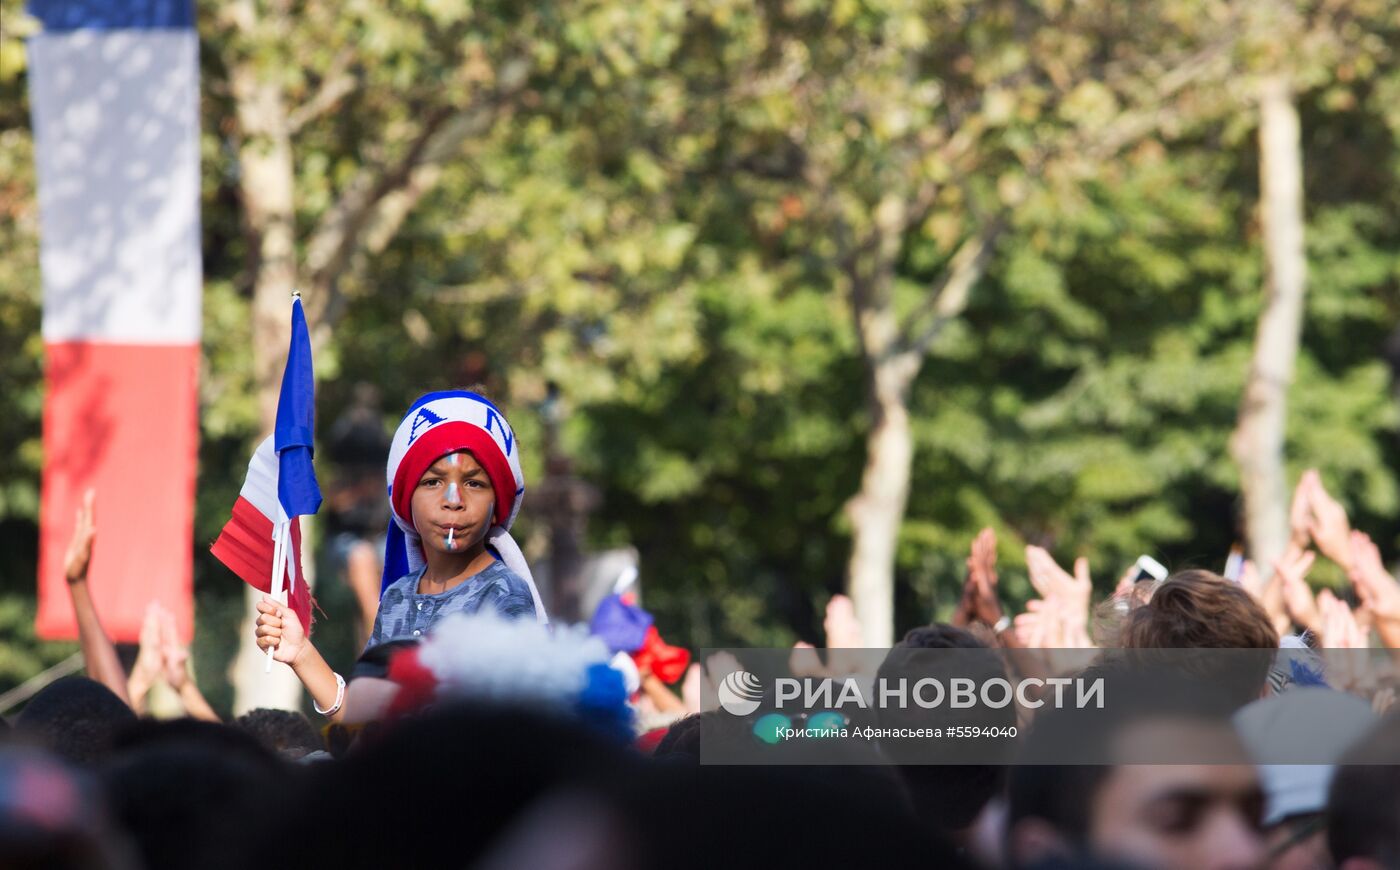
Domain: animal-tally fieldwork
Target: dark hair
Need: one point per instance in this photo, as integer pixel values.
(282, 731)
(791, 813)
(939, 635)
(186, 791)
(1363, 805)
(682, 739)
(947, 797)
(681, 743)
(487, 763)
(75, 718)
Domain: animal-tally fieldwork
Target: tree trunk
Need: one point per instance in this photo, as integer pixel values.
(892, 356)
(266, 183)
(1258, 440)
(877, 510)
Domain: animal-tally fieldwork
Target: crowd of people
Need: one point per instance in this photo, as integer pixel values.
(472, 733)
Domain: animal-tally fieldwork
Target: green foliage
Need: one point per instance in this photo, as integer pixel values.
(654, 225)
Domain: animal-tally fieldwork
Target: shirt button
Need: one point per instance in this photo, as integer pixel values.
(416, 632)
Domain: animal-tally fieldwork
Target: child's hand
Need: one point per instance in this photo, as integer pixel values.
(279, 629)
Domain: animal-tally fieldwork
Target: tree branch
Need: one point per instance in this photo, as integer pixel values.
(949, 298)
(379, 198)
(336, 84)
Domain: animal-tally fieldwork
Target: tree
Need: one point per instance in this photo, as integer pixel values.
(933, 121)
(1258, 443)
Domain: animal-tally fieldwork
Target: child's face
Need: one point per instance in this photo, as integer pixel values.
(453, 504)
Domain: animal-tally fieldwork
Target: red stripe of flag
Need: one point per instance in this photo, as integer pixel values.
(122, 419)
(245, 545)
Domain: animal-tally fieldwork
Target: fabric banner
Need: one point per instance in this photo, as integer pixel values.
(114, 91)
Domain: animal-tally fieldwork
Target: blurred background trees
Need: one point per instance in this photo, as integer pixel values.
(744, 242)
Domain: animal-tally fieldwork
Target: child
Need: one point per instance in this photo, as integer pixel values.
(455, 488)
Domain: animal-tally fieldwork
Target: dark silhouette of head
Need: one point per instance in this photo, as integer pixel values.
(287, 733)
(75, 718)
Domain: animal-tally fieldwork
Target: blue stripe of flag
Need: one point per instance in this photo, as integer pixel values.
(293, 435)
(67, 15)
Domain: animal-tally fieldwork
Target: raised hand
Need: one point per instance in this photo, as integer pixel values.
(79, 553)
(1068, 593)
(1250, 581)
(1052, 581)
(842, 627)
(804, 661)
(1300, 512)
(174, 655)
(148, 666)
(148, 669)
(844, 637)
(279, 629)
(720, 665)
(1375, 586)
(1038, 626)
(981, 589)
(1291, 569)
(691, 686)
(1328, 525)
(1339, 629)
(1126, 582)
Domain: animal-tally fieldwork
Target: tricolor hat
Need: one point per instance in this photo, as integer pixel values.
(436, 425)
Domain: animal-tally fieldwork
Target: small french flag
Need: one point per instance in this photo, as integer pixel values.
(261, 542)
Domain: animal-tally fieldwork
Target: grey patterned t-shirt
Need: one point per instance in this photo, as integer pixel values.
(404, 613)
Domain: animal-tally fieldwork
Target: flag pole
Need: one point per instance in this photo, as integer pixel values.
(279, 569)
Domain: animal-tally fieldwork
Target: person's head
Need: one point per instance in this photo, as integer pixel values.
(1302, 724)
(438, 427)
(455, 460)
(1154, 815)
(681, 744)
(1363, 806)
(75, 718)
(939, 635)
(185, 791)
(285, 732)
(810, 802)
(1199, 610)
(477, 768)
(947, 797)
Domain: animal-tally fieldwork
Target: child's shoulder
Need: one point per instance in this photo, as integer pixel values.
(401, 588)
(498, 573)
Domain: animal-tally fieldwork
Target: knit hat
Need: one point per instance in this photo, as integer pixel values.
(436, 425)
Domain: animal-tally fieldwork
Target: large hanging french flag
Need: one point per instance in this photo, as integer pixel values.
(114, 90)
